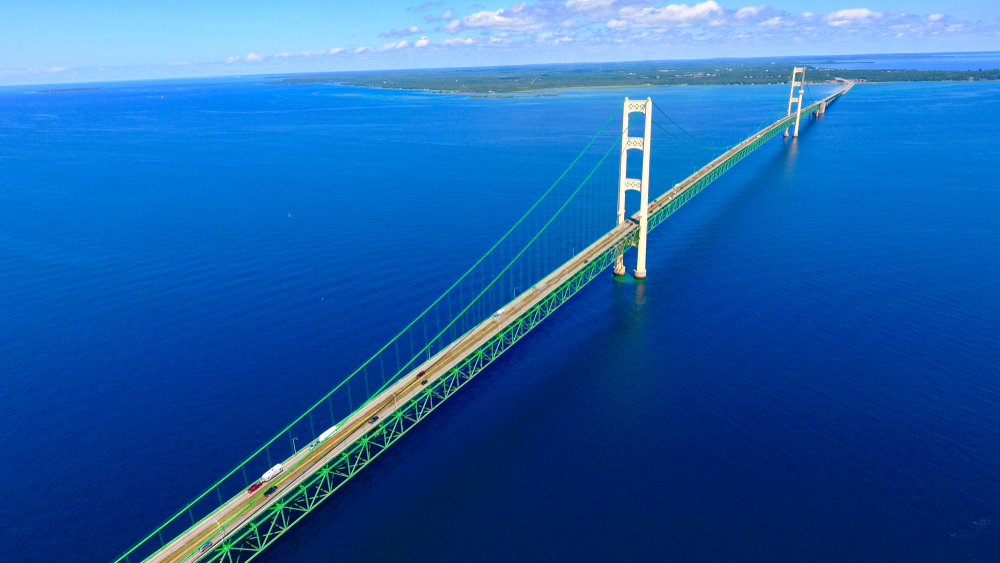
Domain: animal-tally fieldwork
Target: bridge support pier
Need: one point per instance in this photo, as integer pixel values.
(799, 72)
(639, 184)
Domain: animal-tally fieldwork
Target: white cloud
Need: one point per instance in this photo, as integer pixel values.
(592, 10)
(520, 17)
(394, 33)
(673, 15)
(853, 14)
(445, 16)
(655, 25)
(423, 7)
(34, 71)
(232, 60)
(749, 12)
(391, 46)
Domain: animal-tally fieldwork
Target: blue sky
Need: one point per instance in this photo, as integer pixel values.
(69, 41)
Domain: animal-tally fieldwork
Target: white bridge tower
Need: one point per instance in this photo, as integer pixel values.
(801, 73)
(641, 185)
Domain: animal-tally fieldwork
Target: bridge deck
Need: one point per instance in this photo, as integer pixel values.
(235, 516)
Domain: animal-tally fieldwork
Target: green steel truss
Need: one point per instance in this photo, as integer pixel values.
(271, 523)
(265, 528)
(661, 213)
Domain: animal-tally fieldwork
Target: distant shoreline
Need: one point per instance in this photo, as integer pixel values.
(493, 82)
(67, 90)
(544, 92)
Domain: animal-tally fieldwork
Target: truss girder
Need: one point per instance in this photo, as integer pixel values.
(264, 529)
(271, 523)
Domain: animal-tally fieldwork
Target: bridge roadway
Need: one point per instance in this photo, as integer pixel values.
(241, 509)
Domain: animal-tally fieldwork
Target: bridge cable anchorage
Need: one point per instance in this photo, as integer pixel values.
(799, 71)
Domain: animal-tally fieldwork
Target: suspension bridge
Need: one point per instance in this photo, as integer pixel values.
(565, 239)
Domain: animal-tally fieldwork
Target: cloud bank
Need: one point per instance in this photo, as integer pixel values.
(647, 27)
(561, 30)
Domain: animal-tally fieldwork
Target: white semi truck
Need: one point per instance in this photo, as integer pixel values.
(326, 434)
(271, 473)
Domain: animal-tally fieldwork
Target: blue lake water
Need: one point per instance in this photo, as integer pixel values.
(810, 372)
(912, 61)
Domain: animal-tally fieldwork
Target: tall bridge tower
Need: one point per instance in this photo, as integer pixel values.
(801, 73)
(641, 184)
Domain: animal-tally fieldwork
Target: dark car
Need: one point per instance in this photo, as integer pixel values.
(205, 547)
(270, 491)
(372, 419)
(254, 487)
(421, 373)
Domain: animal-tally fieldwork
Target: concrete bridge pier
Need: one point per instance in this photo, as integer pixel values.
(639, 184)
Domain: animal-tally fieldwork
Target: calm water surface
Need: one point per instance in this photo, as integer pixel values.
(810, 373)
(913, 61)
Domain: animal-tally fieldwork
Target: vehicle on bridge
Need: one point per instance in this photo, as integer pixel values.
(451, 358)
(322, 437)
(271, 473)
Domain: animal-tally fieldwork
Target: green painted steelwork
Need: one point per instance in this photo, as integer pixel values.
(659, 214)
(272, 522)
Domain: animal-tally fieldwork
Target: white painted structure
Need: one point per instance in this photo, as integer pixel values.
(271, 473)
(641, 185)
(797, 71)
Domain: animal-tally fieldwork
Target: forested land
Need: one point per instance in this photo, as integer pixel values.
(500, 80)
